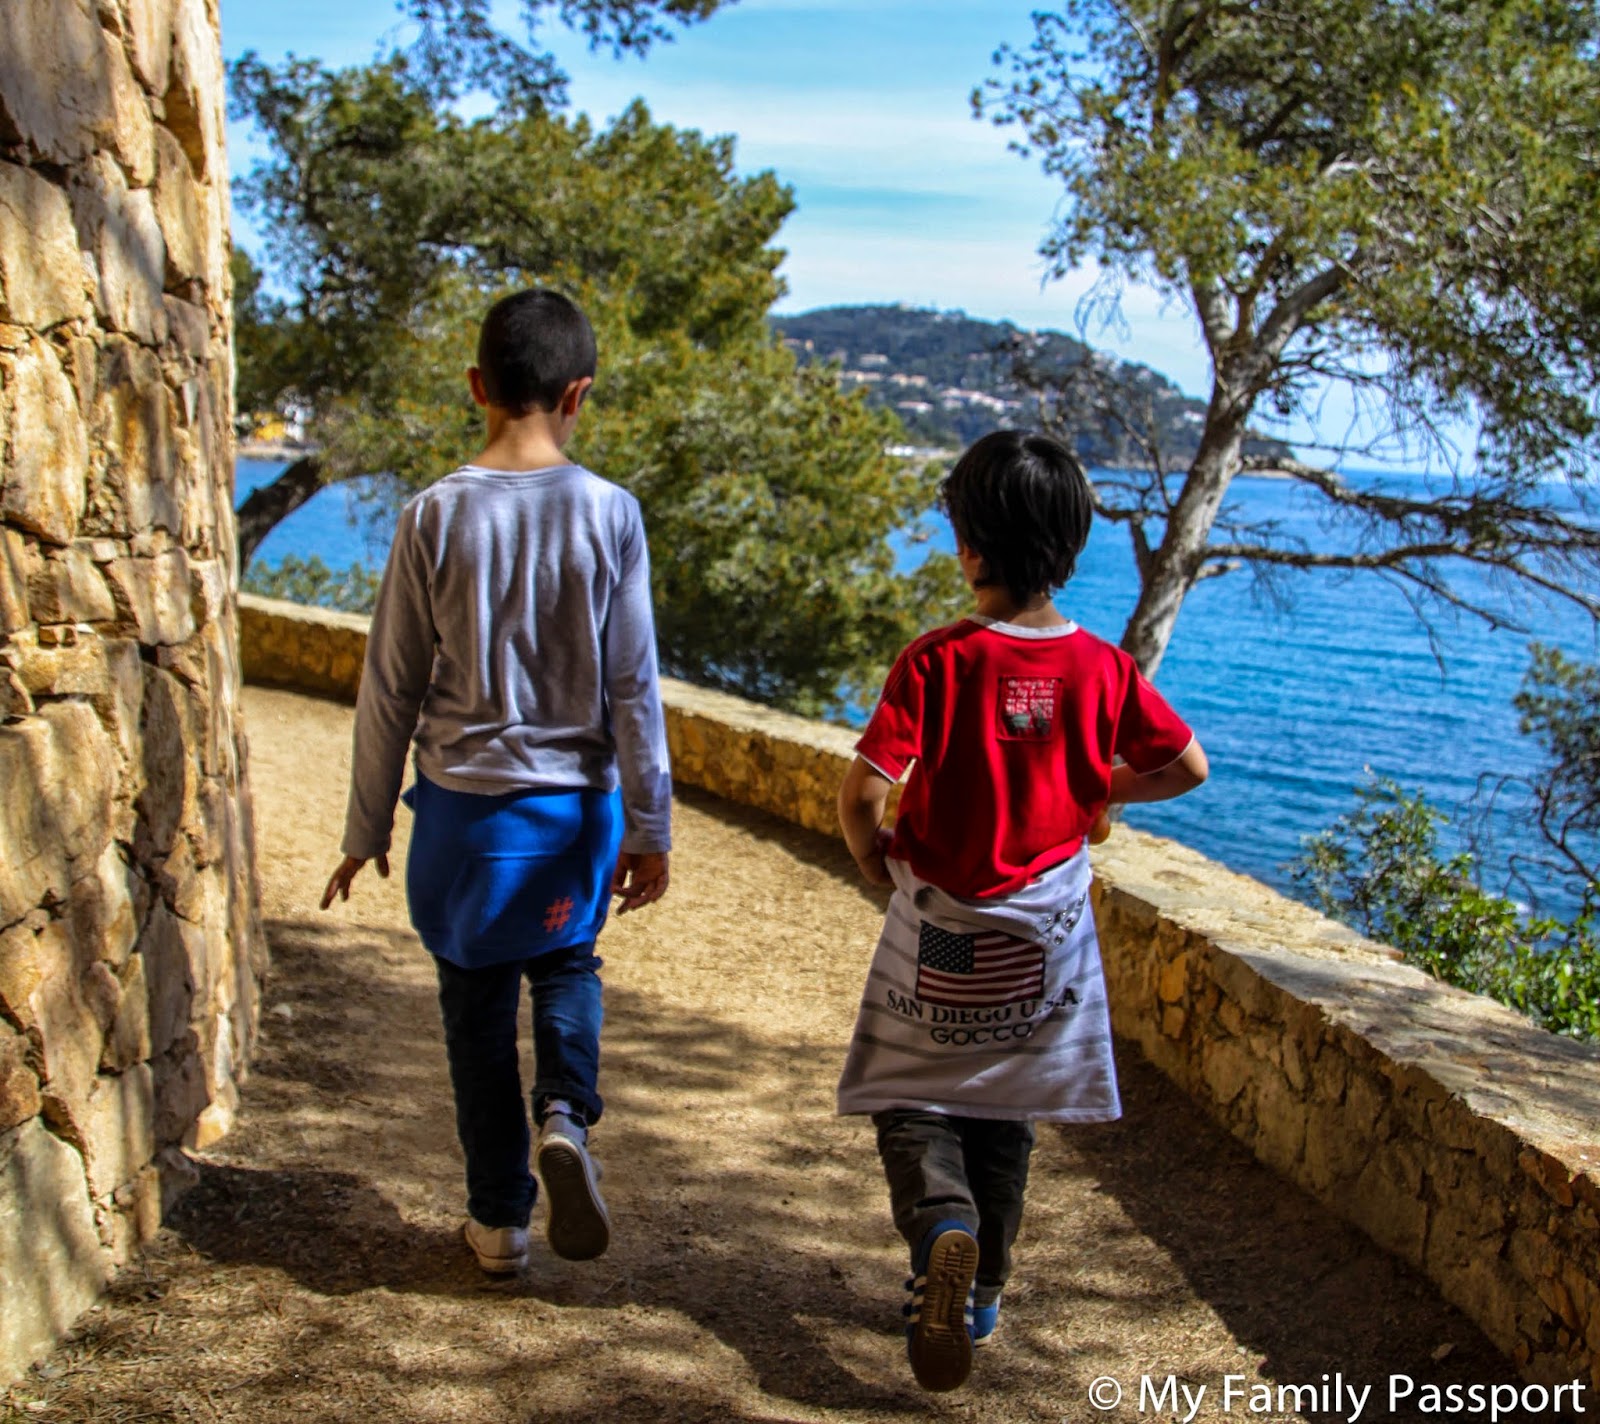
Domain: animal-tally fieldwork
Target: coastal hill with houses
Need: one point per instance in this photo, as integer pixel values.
(951, 377)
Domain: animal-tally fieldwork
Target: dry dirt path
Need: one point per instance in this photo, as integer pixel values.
(315, 1272)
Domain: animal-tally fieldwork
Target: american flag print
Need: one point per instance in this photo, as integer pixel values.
(974, 970)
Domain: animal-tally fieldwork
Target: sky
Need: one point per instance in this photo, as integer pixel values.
(863, 108)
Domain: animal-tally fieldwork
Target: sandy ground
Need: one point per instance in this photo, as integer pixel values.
(316, 1271)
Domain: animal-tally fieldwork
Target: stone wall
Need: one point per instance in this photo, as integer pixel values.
(1453, 1132)
(129, 937)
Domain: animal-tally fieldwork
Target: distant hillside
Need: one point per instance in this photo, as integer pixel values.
(948, 377)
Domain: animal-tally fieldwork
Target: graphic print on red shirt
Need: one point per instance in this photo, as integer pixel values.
(1011, 734)
(1027, 706)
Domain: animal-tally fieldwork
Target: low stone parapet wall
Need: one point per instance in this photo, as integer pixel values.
(1445, 1126)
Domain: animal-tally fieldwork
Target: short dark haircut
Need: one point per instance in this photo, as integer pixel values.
(533, 345)
(1023, 504)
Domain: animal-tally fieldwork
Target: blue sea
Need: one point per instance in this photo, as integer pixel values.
(1296, 692)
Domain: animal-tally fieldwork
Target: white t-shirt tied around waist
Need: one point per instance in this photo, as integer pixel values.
(991, 1008)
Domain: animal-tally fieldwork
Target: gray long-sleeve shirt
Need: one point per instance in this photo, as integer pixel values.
(513, 641)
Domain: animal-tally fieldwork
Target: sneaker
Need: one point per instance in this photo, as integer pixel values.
(939, 1313)
(984, 1320)
(578, 1225)
(501, 1250)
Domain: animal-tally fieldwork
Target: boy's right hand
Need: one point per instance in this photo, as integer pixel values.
(339, 881)
(640, 879)
(874, 867)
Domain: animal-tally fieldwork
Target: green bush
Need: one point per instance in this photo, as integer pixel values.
(310, 581)
(1379, 868)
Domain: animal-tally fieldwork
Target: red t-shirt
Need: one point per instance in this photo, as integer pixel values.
(1014, 732)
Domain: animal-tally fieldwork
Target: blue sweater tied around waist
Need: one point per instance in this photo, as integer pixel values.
(496, 878)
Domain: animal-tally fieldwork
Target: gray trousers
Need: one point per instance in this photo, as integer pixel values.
(967, 1169)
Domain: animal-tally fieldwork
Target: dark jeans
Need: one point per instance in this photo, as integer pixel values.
(479, 1007)
(967, 1169)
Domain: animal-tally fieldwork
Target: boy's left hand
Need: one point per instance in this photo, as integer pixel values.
(339, 881)
(640, 879)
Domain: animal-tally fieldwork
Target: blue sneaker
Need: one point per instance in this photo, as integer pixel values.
(939, 1313)
(984, 1320)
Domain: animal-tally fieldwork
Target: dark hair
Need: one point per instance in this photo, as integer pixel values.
(534, 345)
(1022, 503)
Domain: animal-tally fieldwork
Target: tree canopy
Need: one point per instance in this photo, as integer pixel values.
(394, 220)
(1400, 195)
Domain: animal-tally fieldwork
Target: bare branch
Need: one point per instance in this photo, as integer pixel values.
(1291, 312)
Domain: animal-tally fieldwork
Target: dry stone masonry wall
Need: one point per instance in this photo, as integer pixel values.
(129, 938)
(1452, 1131)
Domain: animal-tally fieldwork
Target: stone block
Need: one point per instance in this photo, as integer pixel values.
(1280, 1116)
(188, 326)
(169, 983)
(47, 467)
(50, 1256)
(119, 1135)
(215, 1120)
(167, 768)
(55, 93)
(41, 273)
(19, 1084)
(29, 953)
(16, 702)
(192, 101)
(69, 1013)
(32, 866)
(181, 211)
(132, 421)
(153, 593)
(178, 1175)
(1174, 980)
(135, 1214)
(81, 781)
(128, 1042)
(1227, 1071)
(118, 231)
(67, 587)
(149, 31)
(76, 669)
(15, 562)
(108, 905)
(127, 129)
(181, 1096)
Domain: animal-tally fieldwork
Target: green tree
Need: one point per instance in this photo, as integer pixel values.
(395, 221)
(1401, 195)
(1380, 867)
(310, 581)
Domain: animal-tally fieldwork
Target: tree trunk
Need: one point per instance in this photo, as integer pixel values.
(1176, 563)
(256, 517)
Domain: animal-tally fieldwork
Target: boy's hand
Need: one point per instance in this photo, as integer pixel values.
(339, 882)
(873, 865)
(1101, 828)
(640, 879)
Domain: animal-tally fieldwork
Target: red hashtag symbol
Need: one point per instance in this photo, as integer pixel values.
(558, 914)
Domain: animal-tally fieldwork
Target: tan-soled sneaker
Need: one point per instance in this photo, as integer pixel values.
(578, 1225)
(501, 1250)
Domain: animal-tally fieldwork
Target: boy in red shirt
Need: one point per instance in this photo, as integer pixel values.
(985, 1006)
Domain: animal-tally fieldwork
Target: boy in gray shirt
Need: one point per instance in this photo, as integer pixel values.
(513, 646)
